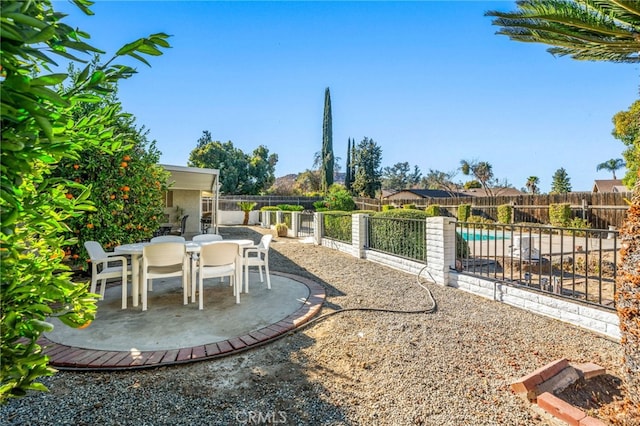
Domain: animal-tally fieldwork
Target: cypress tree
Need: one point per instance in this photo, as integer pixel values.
(327, 144)
(347, 177)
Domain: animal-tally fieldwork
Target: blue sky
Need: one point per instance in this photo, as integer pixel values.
(429, 81)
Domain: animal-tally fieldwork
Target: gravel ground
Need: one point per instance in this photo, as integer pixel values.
(451, 367)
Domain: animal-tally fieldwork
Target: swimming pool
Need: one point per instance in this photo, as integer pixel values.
(484, 235)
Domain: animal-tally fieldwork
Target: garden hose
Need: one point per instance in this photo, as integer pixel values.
(430, 310)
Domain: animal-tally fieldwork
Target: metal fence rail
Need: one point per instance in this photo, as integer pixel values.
(305, 225)
(400, 237)
(574, 263)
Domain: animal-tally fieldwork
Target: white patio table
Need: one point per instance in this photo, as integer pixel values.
(135, 250)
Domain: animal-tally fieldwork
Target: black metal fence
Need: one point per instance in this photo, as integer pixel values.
(305, 225)
(337, 226)
(574, 263)
(399, 237)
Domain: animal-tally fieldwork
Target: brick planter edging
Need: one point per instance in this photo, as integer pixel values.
(539, 385)
(65, 357)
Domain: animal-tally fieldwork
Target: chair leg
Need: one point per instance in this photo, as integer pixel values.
(266, 271)
(144, 290)
(260, 271)
(200, 292)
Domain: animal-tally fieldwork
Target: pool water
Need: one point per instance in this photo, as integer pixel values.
(484, 235)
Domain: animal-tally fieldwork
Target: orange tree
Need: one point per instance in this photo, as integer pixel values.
(38, 131)
(127, 186)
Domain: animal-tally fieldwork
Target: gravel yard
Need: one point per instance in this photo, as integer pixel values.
(451, 367)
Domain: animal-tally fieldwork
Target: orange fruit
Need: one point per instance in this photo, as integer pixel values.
(126, 158)
(112, 196)
(126, 188)
(85, 325)
(123, 164)
(69, 196)
(76, 166)
(90, 225)
(125, 196)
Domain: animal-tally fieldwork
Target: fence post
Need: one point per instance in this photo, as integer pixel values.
(295, 223)
(265, 218)
(318, 228)
(441, 248)
(358, 234)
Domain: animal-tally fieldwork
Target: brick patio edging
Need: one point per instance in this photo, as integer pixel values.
(65, 357)
(538, 387)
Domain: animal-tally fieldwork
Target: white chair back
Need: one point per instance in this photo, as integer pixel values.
(206, 237)
(163, 254)
(95, 250)
(221, 253)
(265, 241)
(168, 238)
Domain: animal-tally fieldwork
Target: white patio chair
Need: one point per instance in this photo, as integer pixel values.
(257, 256)
(101, 270)
(216, 260)
(164, 260)
(206, 237)
(167, 239)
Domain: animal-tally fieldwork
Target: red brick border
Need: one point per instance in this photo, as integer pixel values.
(531, 387)
(65, 357)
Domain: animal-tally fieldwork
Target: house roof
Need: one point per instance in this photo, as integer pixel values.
(426, 193)
(609, 185)
(479, 192)
(193, 178)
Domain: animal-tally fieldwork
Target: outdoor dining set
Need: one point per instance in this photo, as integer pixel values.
(205, 256)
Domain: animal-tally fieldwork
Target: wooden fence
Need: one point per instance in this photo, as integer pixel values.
(601, 210)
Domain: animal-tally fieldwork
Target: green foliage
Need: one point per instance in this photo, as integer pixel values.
(401, 232)
(505, 213)
(269, 208)
(290, 207)
(400, 176)
(337, 225)
(387, 207)
(579, 223)
(560, 214)
(464, 211)
(627, 130)
(320, 205)
(39, 130)
(433, 210)
(561, 182)
(480, 220)
(327, 144)
(367, 165)
(242, 174)
(246, 207)
(462, 247)
(409, 206)
(340, 200)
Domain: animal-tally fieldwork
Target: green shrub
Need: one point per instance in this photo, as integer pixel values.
(505, 213)
(401, 232)
(560, 214)
(409, 206)
(464, 212)
(337, 225)
(433, 210)
(388, 207)
(322, 204)
(290, 207)
(340, 200)
(578, 222)
(462, 247)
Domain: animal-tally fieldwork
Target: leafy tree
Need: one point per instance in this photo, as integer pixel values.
(400, 176)
(532, 185)
(239, 173)
(472, 184)
(560, 182)
(603, 30)
(309, 182)
(627, 129)
(246, 207)
(38, 131)
(611, 165)
(128, 186)
(482, 171)
(347, 178)
(339, 199)
(437, 179)
(327, 144)
(368, 173)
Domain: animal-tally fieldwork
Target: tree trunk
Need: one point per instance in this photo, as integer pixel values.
(246, 218)
(628, 298)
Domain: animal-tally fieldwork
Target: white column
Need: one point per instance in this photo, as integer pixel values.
(295, 224)
(318, 228)
(358, 234)
(441, 247)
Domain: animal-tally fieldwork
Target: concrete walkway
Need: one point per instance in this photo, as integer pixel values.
(170, 332)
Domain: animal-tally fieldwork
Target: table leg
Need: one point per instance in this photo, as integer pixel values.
(135, 279)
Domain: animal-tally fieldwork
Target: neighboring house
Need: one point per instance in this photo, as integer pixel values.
(192, 191)
(417, 194)
(498, 192)
(609, 185)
